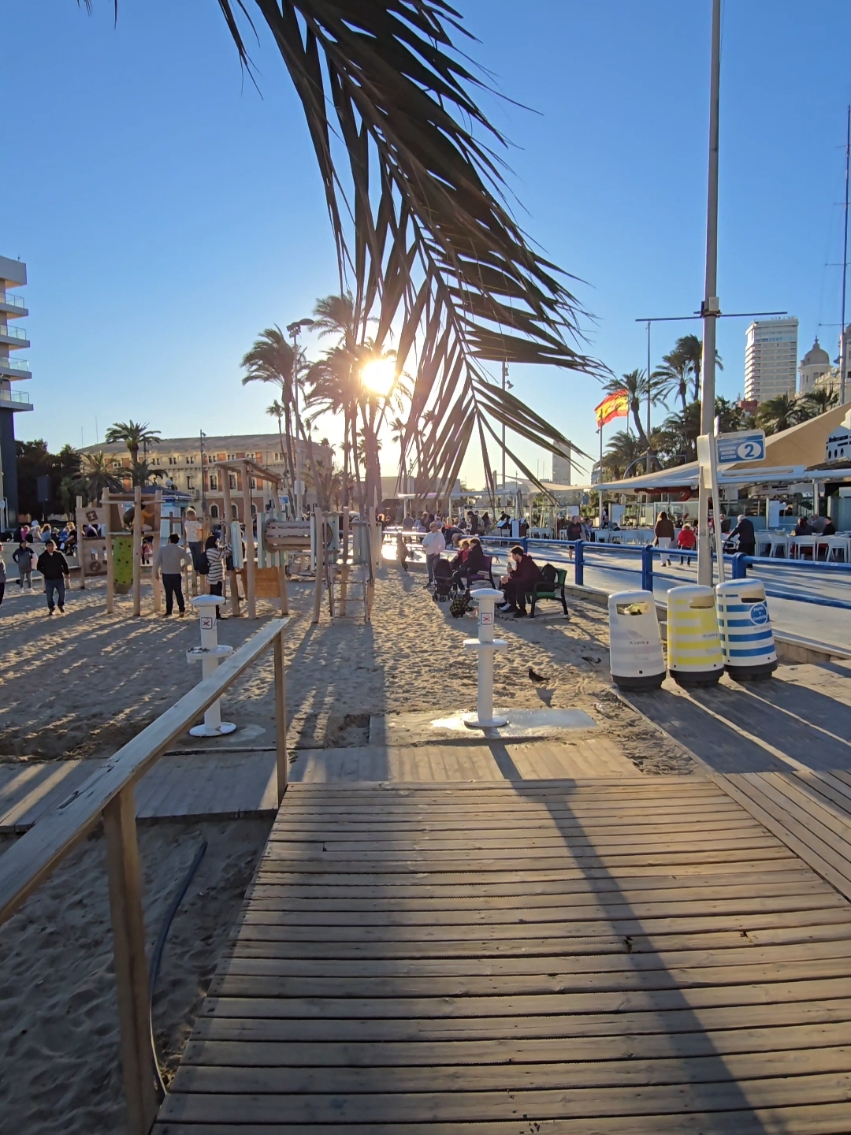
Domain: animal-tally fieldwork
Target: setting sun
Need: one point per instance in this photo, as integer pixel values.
(379, 375)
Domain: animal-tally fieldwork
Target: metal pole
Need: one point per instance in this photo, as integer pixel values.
(843, 363)
(600, 522)
(648, 396)
(504, 380)
(203, 494)
(710, 307)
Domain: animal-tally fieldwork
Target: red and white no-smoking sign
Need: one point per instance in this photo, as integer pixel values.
(207, 622)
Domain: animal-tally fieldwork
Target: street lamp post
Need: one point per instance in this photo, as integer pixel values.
(203, 494)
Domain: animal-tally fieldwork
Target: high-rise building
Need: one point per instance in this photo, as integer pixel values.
(13, 274)
(814, 365)
(771, 358)
(561, 469)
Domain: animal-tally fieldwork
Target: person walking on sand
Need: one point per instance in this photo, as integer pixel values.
(664, 533)
(57, 575)
(169, 563)
(433, 544)
(24, 557)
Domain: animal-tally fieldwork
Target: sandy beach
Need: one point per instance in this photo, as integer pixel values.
(83, 684)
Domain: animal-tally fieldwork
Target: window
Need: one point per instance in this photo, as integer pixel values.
(254, 510)
(214, 512)
(231, 457)
(252, 483)
(172, 460)
(190, 459)
(233, 512)
(189, 483)
(214, 481)
(232, 480)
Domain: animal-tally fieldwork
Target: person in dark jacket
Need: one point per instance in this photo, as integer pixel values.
(464, 566)
(747, 537)
(54, 567)
(515, 585)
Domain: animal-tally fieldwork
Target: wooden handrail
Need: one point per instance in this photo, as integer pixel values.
(33, 857)
(108, 793)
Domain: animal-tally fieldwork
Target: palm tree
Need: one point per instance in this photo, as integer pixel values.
(820, 400)
(622, 451)
(96, 474)
(681, 369)
(135, 436)
(780, 413)
(425, 234)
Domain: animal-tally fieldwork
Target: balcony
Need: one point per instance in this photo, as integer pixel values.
(14, 332)
(13, 366)
(15, 306)
(12, 400)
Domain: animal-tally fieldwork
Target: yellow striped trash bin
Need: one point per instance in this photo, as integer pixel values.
(747, 640)
(635, 646)
(694, 644)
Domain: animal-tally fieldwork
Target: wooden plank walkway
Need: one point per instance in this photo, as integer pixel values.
(233, 783)
(572, 957)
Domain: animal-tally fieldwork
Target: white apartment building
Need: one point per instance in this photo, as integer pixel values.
(13, 369)
(771, 358)
(186, 468)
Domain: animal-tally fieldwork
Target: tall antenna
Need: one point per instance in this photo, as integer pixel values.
(842, 360)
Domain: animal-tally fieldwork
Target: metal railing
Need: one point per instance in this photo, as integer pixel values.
(13, 332)
(13, 364)
(575, 552)
(108, 795)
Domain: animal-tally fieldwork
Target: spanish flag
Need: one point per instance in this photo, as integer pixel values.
(614, 405)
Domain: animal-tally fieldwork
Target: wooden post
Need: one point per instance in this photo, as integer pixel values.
(250, 599)
(131, 967)
(155, 547)
(344, 571)
(226, 523)
(281, 717)
(110, 563)
(319, 525)
(137, 550)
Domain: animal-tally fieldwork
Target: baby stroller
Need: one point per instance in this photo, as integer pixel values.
(444, 588)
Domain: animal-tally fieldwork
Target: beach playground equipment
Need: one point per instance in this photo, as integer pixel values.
(635, 650)
(485, 645)
(747, 640)
(210, 653)
(116, 553)
(694, 644)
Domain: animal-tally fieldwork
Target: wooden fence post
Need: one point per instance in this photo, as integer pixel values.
(281, 716)
(250, 599)
(131, 967)
(137, 550)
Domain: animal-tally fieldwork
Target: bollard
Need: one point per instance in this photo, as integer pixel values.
(647, 568)
(579, 563)
(694, 645)
(210, 654)
(747, 639)
(485, 644)
(635, 645)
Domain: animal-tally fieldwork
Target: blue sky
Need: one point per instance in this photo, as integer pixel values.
(167, 212)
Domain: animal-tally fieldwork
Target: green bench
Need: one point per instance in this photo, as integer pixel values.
(544, 590)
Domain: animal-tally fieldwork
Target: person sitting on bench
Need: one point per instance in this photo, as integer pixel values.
(463, 565)
(515, 585)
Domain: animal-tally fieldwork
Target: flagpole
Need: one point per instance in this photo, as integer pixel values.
(600, 521)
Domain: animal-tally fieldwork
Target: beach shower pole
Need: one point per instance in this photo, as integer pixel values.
(211, 654)
(485, 644)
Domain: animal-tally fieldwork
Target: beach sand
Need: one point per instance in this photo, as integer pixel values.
(84, 684)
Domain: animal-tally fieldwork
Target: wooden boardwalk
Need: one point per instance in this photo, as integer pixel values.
(592, 956)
